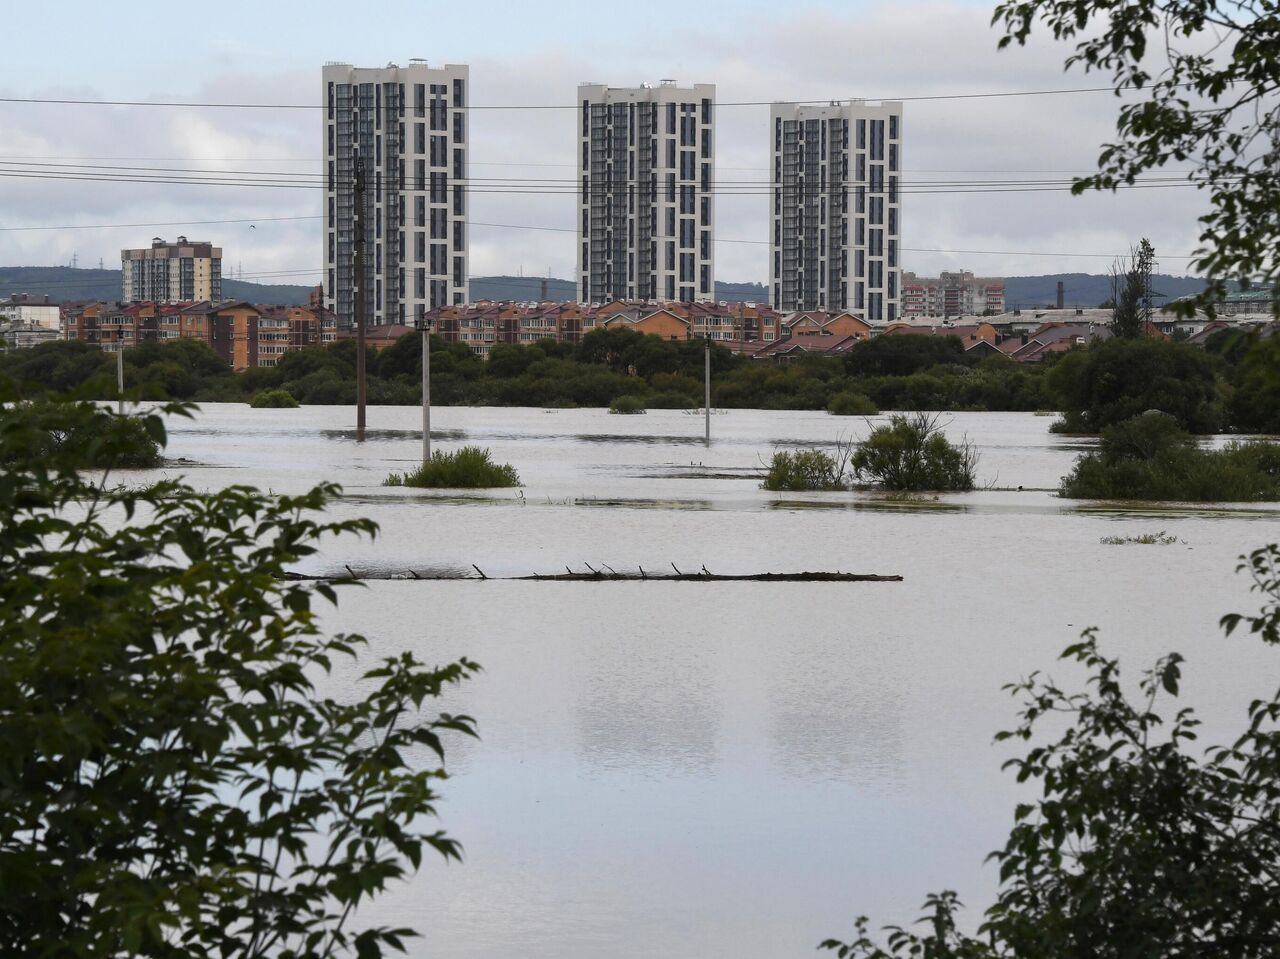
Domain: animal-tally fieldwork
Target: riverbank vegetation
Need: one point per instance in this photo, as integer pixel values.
(1150, 457)
(276, 399)
(468, 467)
(1230, 385)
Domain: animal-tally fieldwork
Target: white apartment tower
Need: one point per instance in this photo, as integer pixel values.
(836, 214)
(409, 126)
(646, 166)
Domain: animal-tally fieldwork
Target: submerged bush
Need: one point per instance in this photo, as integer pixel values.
(273, 400)
(1149, 457)
(811, 469)
(67, 435)
(911, 453)
(850, 403)
(470, 467)
(627, 404)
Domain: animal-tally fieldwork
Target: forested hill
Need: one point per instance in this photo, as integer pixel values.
(1087, 289)
(64, 283)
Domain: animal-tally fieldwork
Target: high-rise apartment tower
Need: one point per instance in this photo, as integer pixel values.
(835, 209)
(171, 272)
(646, 169)
(409, 126)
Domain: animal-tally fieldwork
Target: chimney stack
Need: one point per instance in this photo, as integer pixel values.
(1060, 292)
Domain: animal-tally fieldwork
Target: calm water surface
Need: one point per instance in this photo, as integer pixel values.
(731, 769)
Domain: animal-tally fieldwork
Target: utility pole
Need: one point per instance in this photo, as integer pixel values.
(426, 390)
(120, 378)
(358, 287)
(707, 389)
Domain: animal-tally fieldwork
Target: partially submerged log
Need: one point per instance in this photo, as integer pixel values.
(608, 575)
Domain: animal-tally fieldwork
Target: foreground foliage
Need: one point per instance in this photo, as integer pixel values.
(1141, 841)
(173, 781)
(468, 467)
(912, 453)
(1206, 99)
(1150, 458)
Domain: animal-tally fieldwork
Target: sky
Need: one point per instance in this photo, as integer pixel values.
(523, 54)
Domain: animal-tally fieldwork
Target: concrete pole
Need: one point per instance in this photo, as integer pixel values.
(120, 377)
(426, 392)
(707, 391)
(359, 297)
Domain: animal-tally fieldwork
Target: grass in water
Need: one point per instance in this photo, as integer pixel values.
(470, 467)
(1146, 539)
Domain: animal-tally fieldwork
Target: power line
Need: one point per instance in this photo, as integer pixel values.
(121, 226)
(68, 101)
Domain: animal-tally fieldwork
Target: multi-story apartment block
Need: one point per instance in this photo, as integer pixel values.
(958, 293)
(646, 168)
(178, 272)
(409, 127)
(835, 208)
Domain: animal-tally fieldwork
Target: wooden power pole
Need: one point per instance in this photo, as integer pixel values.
(358, 287)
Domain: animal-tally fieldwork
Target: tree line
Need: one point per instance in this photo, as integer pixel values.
(1226, 386)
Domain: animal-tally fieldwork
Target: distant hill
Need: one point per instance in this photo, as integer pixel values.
(528, 289)
(1086, 289)
(64, 283)
(522, 289)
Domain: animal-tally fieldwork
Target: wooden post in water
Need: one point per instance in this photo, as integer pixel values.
(426, 389)
(707, 391)
(359, 297)
(120, 377)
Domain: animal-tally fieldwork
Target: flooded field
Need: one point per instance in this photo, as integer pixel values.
(731, 768)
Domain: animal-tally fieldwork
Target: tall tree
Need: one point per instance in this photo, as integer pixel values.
(1210, 70)
(1131, 292)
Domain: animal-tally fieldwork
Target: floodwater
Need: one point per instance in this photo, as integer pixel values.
(708, 769)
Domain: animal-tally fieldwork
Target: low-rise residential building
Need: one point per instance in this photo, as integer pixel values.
(29, 310)
(245, 335)
(958, 293)
(484, 324)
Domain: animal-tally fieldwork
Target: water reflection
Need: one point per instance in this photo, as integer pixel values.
(649, 705)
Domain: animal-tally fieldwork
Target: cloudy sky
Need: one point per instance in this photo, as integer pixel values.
(524, 54)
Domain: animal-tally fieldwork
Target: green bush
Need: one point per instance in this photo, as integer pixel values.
(79, 437)
(810, 469)
(469, 467)
(1117, 379)
(911, 453)
(628, 404)
(850, 403)
(1150, 458)
(274, 400)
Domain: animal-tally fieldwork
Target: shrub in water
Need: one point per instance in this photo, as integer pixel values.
(63, 434)
(627, 404)
(850, 403)
(810, 469)
(911, 453)
(273, 400)
(470, 467)
(1149, 457)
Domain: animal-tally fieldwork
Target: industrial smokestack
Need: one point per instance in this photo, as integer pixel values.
(544, 291)
(1060, 292)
